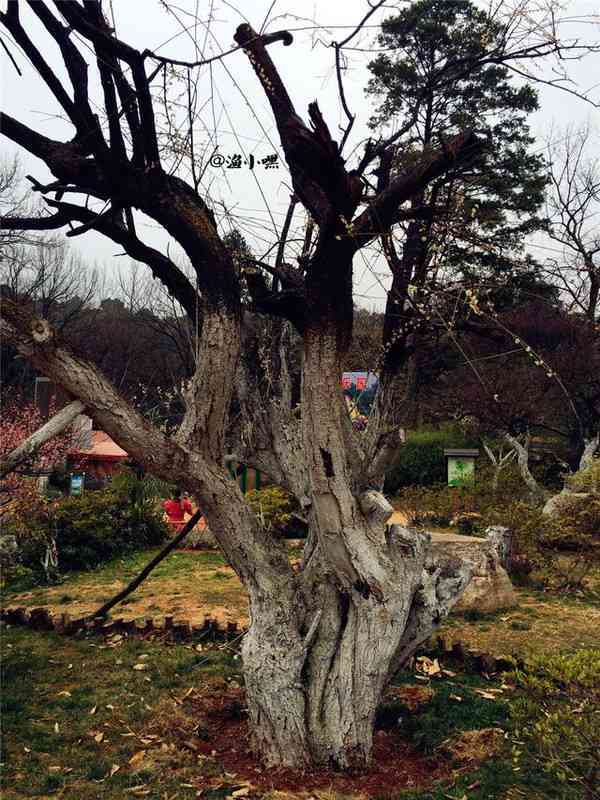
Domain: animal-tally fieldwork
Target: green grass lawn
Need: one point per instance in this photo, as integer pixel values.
(79, 723)
(542, 622)
(191, 585)
(188, 585)
(73, 711)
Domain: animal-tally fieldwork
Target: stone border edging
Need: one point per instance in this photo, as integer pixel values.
(41, 619)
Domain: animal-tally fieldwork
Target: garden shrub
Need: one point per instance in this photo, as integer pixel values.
(557, 724)
(432, 505)
(563, 548)
(421, 461)
(438, 505)
(586, 480)
(86, 531)
(273, 506)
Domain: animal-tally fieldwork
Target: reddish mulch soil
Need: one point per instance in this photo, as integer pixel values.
(395, 764)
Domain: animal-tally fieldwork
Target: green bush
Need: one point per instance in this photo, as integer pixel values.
(88, 530)
(421, 461)
(557, 722)
(273, 506)
(563, 548)
(576, 526)
(437, 505)
(586, 480)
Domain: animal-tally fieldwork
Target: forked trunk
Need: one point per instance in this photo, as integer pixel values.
(366, 596)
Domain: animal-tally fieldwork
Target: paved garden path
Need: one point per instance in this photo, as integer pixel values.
(400, 518)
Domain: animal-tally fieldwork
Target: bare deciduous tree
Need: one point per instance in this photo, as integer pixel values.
(324, 641)
(573, 208)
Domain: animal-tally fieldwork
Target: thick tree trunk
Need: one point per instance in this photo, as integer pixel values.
(367, 596)
(316, 671)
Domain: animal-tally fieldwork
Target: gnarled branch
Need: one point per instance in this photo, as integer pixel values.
(53, 427)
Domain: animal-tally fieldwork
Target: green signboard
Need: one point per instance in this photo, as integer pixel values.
(461, 470)
(77, 481)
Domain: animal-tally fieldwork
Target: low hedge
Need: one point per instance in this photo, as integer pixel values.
(83, 532)
(421, 461)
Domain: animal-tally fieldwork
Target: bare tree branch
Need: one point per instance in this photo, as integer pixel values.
(55, 425)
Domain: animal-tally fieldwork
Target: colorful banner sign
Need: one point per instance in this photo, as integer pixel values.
(359, 380)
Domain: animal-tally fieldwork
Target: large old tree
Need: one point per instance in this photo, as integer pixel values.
(324, 640)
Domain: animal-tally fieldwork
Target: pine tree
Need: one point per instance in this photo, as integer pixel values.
(435, 64)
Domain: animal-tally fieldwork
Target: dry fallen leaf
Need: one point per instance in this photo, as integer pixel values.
(98, 737)
(140, 667)
(115, 768)
(434, 668)
(486, 695)
(64, 694)
(243, 792)
(428, 667)
(136, 758)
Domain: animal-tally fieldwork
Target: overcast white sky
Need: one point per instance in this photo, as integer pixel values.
(256, 200)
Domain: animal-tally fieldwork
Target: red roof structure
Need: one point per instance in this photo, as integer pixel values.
(103, 448)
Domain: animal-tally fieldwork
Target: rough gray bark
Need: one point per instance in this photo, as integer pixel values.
(554, 504)
(538, 495)
(53, 427)
(313, 694)
(368, 597)
(590, 447)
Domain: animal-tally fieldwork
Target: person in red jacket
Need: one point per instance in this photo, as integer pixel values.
(175, 509)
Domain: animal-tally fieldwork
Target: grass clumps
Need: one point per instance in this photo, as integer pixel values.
(557, 722)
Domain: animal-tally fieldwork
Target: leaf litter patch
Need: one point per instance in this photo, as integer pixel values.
(210, 724)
